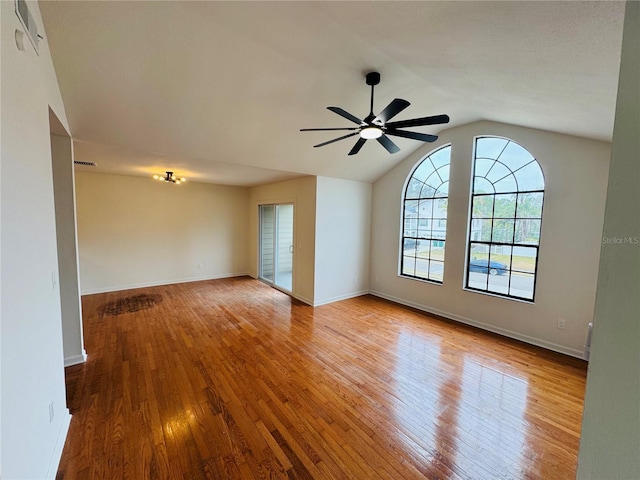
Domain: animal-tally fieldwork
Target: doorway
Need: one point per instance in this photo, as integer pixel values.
(276, 245)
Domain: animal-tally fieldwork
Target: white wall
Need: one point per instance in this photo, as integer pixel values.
(610, 442)
(65, 208)
(31, 350)
(576, 178)
(302, 193)
(343, 229)
(134, 231)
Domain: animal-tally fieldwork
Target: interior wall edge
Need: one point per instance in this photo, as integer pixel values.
(59, 446)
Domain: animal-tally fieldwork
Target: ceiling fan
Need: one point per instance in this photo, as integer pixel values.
(376, 126)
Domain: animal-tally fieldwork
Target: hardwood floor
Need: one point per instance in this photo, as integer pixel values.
(233, 379)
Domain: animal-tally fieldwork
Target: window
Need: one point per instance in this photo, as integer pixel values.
(424, 217)
(506, 217)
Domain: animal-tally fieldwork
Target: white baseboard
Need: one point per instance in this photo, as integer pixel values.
(59, 446)
(485, 326)
(302, 299)
(117, 288)
(340, 297)
(75, 359)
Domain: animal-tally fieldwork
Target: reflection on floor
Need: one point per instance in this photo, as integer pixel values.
(234, 379)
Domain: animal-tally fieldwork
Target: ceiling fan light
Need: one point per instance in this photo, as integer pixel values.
(369, 133)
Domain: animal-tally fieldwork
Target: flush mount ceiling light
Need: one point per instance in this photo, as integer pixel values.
(371, 132)
(168, 177)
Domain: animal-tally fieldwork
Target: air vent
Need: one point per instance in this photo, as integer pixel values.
(22, 10)
(86, 164)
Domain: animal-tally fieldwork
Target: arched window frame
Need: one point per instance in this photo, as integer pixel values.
(424, 218)
(506, 234)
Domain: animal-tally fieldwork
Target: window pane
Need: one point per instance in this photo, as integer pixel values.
(482, 206)
(498, 283)
(498, 172)
(490, 147)
(479, 251)
(424, 221)
(515, 156)
(408, 265)
(530, 177)
(436, 270)
(425, 208)
(503, 231)
(500, 259)
(482, 185)
(443, 191)
(409, 246)
(424, 229)
(410, 227)
(476, 278)
(433, 181)
(482, 166)
(504, 222)
(505, 206)
(414, 187)
(481, 230)
(524, 259)
(423, 171)
(437, 250)
(507, 184)
(422, 268)
(441, 157)
(530, 205)
(527, 231)
(522, 285)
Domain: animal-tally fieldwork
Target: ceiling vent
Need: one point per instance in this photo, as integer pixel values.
(22, 10)
(86, 164)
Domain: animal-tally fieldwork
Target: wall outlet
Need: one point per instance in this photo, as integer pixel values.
(562, 324)
(200, 266)
(51, 412)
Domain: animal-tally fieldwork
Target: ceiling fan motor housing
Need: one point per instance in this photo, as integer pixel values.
(373, 78)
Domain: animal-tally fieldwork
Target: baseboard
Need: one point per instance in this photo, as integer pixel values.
(302, 299)
(340, 297)
(59, 446)
(485, 326)
(76, 359)
(159, 283)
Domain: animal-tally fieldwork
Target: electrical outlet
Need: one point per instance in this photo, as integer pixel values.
(51, 412)
(562, 323)
(200, 266)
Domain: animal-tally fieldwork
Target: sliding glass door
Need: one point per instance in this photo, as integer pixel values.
(276, 245)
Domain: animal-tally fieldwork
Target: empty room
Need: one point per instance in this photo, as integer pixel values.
(319, 240)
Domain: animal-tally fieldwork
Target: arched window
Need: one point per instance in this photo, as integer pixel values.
(424, 217)
(506, 217)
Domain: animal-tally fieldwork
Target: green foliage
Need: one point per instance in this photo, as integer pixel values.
(516, 217)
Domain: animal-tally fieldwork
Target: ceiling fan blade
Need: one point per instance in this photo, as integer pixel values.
(356, 148)
(323, 129)
(388, 144)
(424, 137)
(419, 122)
(336, 139)
(395, 107)
(345, 114)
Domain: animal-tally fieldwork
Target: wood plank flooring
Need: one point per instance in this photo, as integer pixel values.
(231, 379)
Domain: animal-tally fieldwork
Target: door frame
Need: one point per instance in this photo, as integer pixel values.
(293, 239)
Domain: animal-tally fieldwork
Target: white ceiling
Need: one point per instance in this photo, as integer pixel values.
(217, 91)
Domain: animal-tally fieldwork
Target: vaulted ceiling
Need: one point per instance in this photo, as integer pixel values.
(218, 91)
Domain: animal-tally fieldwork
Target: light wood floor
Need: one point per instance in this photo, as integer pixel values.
(233, 379)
